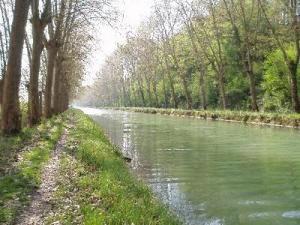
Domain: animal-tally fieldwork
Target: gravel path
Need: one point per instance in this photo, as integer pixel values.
(41, 205)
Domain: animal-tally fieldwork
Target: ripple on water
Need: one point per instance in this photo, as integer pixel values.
(291, 214)
(224, 165)
(214, 222)
(252, 202)
(259, 215)
(174, 149)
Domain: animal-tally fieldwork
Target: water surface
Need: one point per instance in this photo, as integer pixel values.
(212, 173)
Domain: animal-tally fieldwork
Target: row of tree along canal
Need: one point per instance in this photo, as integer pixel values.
(206, 54)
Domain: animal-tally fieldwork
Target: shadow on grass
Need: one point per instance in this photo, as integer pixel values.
(20, 177)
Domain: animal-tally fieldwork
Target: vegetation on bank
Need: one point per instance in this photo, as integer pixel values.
(106, 192)
(94, 185)
(22, 158)
(274, 119)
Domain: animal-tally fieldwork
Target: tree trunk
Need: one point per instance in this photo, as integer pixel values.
(134, 93)
(187, 92)
(66, 100)
(124, 100)
(38, 26)
(202, 88)
(294, 86)
(166, 102)
(222, 88)
(254, 105)
(57, 85)
(124, 95)
(40, 101)
(52, 52)
(37, 48)
(165, 94)
(11, 116)
(52, 49)
(155, 93)
(140, 86)
(128, 92)
(175, 102)
(1, 90)
(149, 92)
(249, 71)
(64, 90)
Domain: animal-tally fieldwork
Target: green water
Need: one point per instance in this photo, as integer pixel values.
(212, 172)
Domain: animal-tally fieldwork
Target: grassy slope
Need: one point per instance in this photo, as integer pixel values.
(279, 119)
(18, 180)
(106, 192)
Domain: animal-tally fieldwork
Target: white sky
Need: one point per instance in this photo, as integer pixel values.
(134, 12)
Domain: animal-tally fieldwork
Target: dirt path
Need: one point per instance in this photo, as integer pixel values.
(41, 199)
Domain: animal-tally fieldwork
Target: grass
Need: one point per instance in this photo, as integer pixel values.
(19, 179)
(264, 118)
(97, 181)
(10, 146)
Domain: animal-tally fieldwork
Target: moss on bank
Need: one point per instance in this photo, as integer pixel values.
(272, 119)
(106, 192)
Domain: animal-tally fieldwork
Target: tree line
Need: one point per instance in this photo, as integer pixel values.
(44, 45)
(229, 54)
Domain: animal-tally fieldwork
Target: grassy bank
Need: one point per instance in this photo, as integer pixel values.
(263, 118)
(94, 185)
(106, 192)
(22, 158)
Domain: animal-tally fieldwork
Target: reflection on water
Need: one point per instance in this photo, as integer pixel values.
(212, 173)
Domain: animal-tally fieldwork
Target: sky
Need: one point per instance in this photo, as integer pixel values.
(133, 12)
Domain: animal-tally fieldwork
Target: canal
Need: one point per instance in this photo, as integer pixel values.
(212, 173)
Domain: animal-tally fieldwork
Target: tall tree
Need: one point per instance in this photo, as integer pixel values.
(5, 8)
(293, 26)
(187, 12)
(243, 36)
(11, 116)
(168, 22)
(52, 47)
(39, 23)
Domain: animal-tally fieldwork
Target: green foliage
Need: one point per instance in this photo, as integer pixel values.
(276, 84)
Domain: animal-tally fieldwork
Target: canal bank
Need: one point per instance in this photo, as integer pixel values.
(106, 191)
(255, 118)
(70, 173)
